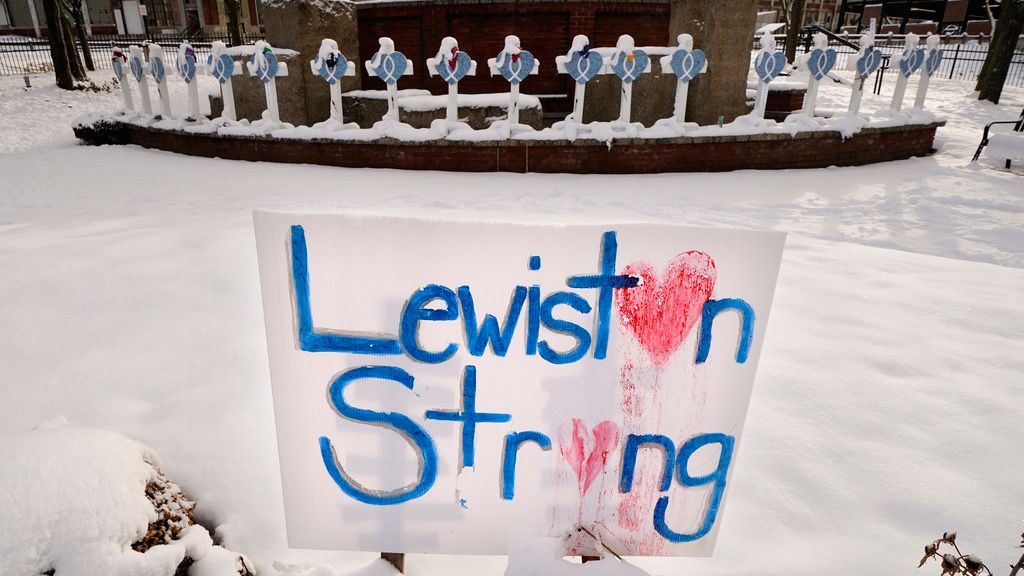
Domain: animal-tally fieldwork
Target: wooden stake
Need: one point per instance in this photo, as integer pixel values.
(396, 559)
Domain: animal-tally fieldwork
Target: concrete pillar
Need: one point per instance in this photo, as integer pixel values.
(725, 32)
(303, 97)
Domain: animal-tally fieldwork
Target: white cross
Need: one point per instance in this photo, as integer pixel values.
(867, 41)
(119, 61)
(909, 49)
(932, 42)
(271, 116)
(185, 51)
(811, 97)
(767, 43)
(157, 62)
(580, 45)
(685, 42)
(625, 52)
(217, 50)
(379, 63)
(512, 49)
(138, 57)
(447, 55)
(329, 53)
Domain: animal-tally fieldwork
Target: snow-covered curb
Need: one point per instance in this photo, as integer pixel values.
(604, 132)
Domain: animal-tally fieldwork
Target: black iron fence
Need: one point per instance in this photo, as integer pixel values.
(962, 56)
(19, 55)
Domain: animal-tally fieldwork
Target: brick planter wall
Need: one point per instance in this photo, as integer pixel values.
(696, 154)
(545, 27)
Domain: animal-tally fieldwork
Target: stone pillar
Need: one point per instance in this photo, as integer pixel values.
(725, 32)
(303, 97)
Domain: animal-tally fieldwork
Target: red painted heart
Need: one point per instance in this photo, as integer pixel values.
(660, 312)
(587, 452)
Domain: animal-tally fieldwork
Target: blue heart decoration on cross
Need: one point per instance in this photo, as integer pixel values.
(221, 68)
(118, 68)
(768, 65)
(136, 65)
(187, 67)
(156, 68)
(333, 73)
(582, 67)
(687, 64)
(392, 66)
(911, 63)
(868, 63)
(268, 72)
(820, 62)
(515, 71)
(628, 70)
(931, 64)
(453, 75)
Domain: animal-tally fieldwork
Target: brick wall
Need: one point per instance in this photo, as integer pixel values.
(545, 28)
(702, 154)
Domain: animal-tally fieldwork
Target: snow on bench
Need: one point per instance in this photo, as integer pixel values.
(1006, 146)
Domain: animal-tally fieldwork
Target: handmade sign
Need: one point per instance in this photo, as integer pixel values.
(265, 67)
(139, 68)
(867, 62)
(932, 60)
(514, 64)
(581, 64)
(767, 64)
(117, 62)
(445, 386)
(186, 65)
(628, 62)
(452, 66)
(159, 72)
(220, 65)
(820, 61)
(389, 66)
(686, 63)
(331, 65)
(910, 60)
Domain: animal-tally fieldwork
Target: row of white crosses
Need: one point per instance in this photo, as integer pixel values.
(516, 65)
(263, 66)
(820, 61)
(581, 63)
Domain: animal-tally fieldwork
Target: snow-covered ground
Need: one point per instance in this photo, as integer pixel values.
(887, 408)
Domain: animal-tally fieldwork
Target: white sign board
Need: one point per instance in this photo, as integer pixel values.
(444, 386)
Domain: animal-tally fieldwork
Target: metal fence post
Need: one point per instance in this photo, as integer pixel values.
(956, 55)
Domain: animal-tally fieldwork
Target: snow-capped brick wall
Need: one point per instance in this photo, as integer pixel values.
(686, 154)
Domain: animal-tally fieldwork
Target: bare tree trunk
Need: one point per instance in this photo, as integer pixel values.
(1000, 51)
(74, 60)
(234, 14)
(723, 31)
(796, 22)
(79, 19)
(58, 50)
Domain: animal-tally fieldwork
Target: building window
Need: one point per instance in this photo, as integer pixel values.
(5, 19)
(161, 13)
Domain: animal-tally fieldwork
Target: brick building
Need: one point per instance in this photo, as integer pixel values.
(897, 16)
(191, 17)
